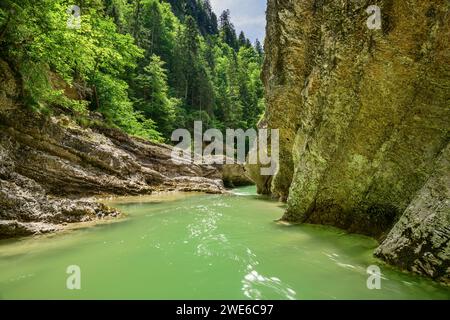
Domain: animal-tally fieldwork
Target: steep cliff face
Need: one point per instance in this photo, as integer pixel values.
(49, 165)
(364, 117)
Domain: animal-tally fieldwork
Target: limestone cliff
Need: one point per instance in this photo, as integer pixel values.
(364, 116)
(49, 165)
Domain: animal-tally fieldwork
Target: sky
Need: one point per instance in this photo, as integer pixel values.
(246, 15)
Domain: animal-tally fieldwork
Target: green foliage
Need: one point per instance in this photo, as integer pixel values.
(227, 31)
(118, 109)
(149, 66)
(153, 99)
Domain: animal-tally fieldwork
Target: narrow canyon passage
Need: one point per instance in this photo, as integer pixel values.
(258, 149)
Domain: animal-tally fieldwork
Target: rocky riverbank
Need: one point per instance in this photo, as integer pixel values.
(48, 163)
(364, 118)
(50, 166)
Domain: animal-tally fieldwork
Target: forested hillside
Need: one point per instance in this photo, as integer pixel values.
(147, 66)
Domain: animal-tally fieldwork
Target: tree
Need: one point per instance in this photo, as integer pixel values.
(251, 88)
(200, 10)
(147, 65)
(227, 31)
(119, 10)
(242, 39)
(259, 49)
(153, 96)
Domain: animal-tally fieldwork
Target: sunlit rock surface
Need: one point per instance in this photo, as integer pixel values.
(364, 118)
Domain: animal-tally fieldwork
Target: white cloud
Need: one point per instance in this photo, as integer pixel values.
(246, 15)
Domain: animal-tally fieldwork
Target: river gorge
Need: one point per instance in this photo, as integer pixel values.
(97, 203)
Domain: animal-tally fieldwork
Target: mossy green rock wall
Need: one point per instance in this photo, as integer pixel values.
(364, 114)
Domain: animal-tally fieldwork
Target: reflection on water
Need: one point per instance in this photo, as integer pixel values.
(205, 228)
(191, 246)
(254, 284)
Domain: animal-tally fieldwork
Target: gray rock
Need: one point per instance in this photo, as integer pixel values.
(49, 165)
(420, 241)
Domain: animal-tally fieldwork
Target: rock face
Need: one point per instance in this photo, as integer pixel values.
(235, 175)
(364, 119)
(420, 240)
(48, 165)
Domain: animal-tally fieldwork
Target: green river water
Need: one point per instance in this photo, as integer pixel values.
(195, 246)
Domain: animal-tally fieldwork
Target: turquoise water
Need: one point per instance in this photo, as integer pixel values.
(194, 246)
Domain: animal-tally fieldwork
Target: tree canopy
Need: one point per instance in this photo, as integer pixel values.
(148, 66)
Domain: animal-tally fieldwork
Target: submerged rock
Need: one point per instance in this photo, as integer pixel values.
(364, 121)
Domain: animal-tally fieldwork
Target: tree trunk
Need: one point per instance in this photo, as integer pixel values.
(97, 102)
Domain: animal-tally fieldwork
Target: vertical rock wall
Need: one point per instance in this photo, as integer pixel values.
(364, 118)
